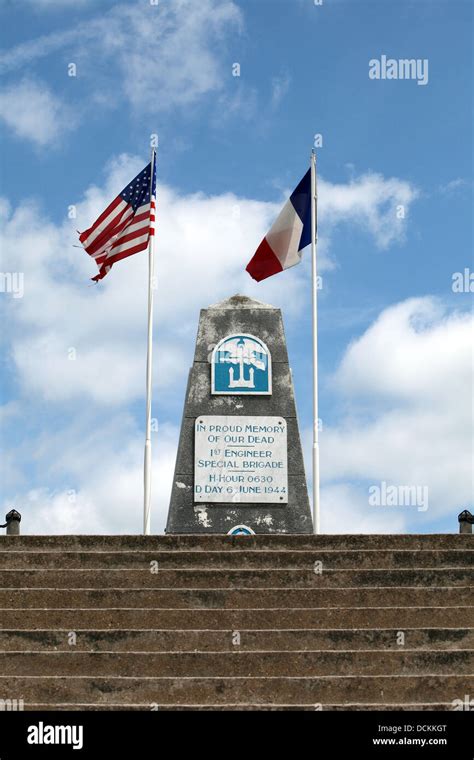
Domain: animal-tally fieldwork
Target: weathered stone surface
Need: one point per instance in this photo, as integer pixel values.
(195, 576)
(286, 605)
(208, 640)
(188, 517)
(256, 690)
(29, 565)
(141, 618)
(241, 707)
(235, 598)
(18, 551)
(216, 322)
(234, 664)
(156, 619)
(239, 314)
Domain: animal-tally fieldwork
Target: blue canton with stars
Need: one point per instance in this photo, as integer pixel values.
(137, 192)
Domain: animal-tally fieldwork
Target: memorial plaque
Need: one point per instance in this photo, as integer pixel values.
(241, 460)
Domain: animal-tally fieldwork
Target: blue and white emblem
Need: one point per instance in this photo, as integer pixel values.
(241, 364)
(241, 530)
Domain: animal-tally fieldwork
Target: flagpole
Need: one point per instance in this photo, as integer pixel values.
(147, 459)
(314, 239)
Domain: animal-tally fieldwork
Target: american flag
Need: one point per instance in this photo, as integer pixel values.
(124, 228)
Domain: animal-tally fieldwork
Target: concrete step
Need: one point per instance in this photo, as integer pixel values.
(237, 622)
(236, 663)
(441, 596)
(363, 559)
(168, 640)
(227, 579)
(75, 619)
(369, 706)
(235, 690)
(200, 542)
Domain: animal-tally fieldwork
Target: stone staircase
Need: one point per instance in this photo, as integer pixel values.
(248, 622)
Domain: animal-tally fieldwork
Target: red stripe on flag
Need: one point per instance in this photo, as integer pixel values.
(129, 252)
(114, 228)
(144, 216)
(125, 238)
(84, 235)
(119, 256)
(263, 263)
(109, 236)
(99, 240)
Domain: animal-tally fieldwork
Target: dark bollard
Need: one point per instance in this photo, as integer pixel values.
(465, 521)
(13, 519)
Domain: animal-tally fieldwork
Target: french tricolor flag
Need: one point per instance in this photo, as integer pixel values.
(282, 247)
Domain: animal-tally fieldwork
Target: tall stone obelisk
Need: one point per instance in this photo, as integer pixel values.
(240, 466)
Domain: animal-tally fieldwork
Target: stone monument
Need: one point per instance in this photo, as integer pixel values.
(239, 467)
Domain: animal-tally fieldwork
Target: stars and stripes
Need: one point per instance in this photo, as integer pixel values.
(124, 228)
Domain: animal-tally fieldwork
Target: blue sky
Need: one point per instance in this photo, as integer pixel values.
(395, 340)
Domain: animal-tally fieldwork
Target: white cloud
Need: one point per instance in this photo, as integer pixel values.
(34, 113)
(280, 87)
(166, 55)
(453, 186)
(100, 465)
(344, 509)
(240, 101)
(184, 63)
(59, 3)
(406, 388)
(378, 205)
(423, 349)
